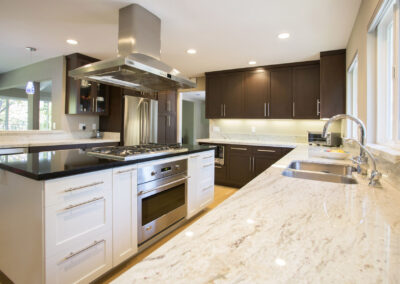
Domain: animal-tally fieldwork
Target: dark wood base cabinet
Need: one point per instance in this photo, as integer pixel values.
(243, 163)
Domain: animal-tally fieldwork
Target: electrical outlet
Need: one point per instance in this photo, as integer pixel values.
(82, 126)
(94, 126)
(253, 129)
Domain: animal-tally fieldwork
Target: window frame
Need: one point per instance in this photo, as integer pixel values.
(352, 97)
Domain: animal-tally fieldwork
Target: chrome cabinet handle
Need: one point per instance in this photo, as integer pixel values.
(253, 164)
(195, 156)
(72, 254)
(208, 165)
(237, 148)
(125, 171)
(222, 110)
(294, 107)
(268, 109)
(207, 157)
(250, 165)
(263, 150)
(265, 109)
(168, 106)
(83, 203)
(318, 107)
(95, 104)
(83, 186)
(169, 121)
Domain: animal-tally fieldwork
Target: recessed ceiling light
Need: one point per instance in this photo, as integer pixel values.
(191, 51)
(252, 62)
(72, 41)
(284, 35)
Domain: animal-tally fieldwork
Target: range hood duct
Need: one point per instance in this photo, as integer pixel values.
(138, 64)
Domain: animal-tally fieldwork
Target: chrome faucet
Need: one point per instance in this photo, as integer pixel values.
(375, 177)
(362, 160)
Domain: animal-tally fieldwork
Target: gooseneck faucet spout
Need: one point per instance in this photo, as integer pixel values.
(360, 124)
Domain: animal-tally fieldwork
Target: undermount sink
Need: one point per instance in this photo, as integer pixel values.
(321, 172)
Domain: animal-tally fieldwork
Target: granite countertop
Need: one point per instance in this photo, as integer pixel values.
(61, 163)
(34, 143)
(271, 143)
(279, 229)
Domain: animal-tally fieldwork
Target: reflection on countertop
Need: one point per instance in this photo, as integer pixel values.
(279, 229)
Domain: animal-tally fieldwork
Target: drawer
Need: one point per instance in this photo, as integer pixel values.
(82, 263)
(206, 180)
(67, 223)
(239, 149)
(267, 151)
(77, 188)
(207, 171)
(206, 195)
(207, 158)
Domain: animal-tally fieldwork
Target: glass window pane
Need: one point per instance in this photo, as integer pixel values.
(45, 115)
(17, 114)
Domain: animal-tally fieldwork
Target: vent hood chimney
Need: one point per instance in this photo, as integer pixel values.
(138, 64)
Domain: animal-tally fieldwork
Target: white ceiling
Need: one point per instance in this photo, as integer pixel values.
(226, 33)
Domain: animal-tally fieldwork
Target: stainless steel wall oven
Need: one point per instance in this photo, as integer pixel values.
(161, 197)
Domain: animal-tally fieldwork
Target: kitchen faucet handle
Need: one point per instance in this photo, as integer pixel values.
(375, 179)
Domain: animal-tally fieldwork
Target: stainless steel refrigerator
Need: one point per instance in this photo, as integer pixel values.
(140, 121)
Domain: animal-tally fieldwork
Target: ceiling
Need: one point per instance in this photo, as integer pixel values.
(225, 33)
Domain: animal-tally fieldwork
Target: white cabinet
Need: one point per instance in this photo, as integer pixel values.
(200, 192)
(124, 213)
(78, 227)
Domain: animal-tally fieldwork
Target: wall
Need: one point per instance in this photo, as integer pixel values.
(194, 123)
(363, 43)
(51, 69)
(289, 130)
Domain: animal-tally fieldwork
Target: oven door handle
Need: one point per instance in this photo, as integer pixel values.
(164, 185)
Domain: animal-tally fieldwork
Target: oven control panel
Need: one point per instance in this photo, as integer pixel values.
(163, 170)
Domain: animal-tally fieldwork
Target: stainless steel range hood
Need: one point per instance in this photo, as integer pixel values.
(138, 64)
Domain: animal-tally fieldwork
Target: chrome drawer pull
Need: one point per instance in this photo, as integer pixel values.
(195, 156)
(269, 151)
(72, 254)
(83, 203)
(208, 165)
(237, 148)
(208, 157)
(83, 186)
(218, 167)
(126, 171)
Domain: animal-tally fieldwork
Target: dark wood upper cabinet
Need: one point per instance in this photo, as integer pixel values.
(306, 92)
(214, 99)
(84, 97)
(256, 94)
(232, 93)
(281, 105)
(167, 120)
(333, 83)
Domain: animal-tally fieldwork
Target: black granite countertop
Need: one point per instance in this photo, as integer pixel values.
(61, 163)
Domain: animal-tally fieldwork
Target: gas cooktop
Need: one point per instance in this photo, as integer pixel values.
(127, 153)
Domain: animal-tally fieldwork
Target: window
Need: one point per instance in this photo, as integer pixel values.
(45, 115)
(352, 96)
(13, 114)
(388, 131)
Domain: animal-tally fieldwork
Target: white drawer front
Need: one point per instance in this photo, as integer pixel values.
(207, 158)
(83, 263)
(206, 195)
(77, 188)
(67, 223)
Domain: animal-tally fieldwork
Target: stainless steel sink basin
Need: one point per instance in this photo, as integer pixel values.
(321, 172)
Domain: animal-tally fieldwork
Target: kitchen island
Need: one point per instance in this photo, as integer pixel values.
(279, 229)
(67, 217)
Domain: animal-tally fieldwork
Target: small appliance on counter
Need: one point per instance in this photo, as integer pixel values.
(333, 139)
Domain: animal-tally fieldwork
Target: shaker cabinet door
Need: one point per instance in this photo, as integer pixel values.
(281, 93)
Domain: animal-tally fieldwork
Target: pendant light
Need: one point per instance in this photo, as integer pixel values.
(30, 87)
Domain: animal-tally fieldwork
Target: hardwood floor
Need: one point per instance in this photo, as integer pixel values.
(221, 193)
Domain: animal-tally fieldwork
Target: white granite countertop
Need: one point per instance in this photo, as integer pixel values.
(278, 229)
(23, 144)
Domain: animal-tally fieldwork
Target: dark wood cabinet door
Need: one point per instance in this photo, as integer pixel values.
(306, 92)
(240, 169)
(170, 133)
(261, 163)
(281, 105)
(232, 92)
(220, 174)
(214, 98)
(161, 129)
(167, 102)
(256, 94)
(333, 83)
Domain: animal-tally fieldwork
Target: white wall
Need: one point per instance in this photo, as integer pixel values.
(53, 69)
(364, 44)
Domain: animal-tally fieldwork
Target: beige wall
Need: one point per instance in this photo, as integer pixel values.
(51, 69)
(364, 44)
